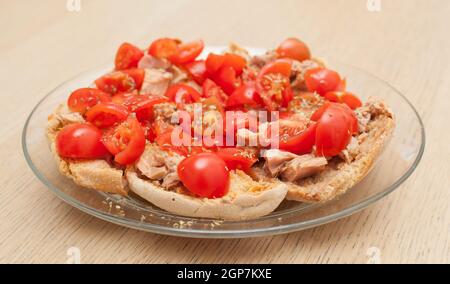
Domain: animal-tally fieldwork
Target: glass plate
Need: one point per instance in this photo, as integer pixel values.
(393, 167)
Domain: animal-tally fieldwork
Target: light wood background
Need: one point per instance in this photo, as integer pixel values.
(407, 43)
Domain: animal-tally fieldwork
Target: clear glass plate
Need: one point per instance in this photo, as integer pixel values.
(393, 167)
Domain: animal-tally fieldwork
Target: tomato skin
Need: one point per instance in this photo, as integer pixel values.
(80, 141)
(164, 48)
(301, 143)
(129, 100)
(144, 109)
(351, 100)
(210, 89)
(82, 99)
(322, 80)
(187, 52)
(126, 141)
(127, 56)
(107, 114)
(205, 175)
(245, 95)
(213, 63)
(183, 94)
(137, 74)
(344, 108)
(294, 48)
(121, 81)
(227, 79)
(236, 158)
(197, 71)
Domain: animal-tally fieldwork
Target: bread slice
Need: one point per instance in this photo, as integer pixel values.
(246, 199)
(340, 175)
(93, 174)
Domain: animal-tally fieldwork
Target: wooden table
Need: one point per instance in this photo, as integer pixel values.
(407, 43)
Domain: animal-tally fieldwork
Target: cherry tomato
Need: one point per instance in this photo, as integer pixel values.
(245, 95)
(351, 100)
(227, 79)
(129, 100)
(183, 94)
(121, 81)
(209, 89)
(144, 109)
(213, 63)
(344, 108)
(205, 175)
(128, 56)
(197, 71)
(105, 115)
(80, 141)
(234, 61)
(294, 48)
(273, 84)
(83, 99)
(164, 48)
(125, 141)
(321, 80)
(237, 158)
(187, 52)
(299, 142)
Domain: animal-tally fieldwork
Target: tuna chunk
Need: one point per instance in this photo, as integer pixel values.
(275, 160)
(150, 62)
(156, 82)
(302, 166)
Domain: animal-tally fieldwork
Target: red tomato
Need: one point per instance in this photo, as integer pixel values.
(209, 89)
(299, 142)
(125, 141)
(333, 97)
(237, 158)
(205, 175)
(294, 48)
(121, 81)
(245, 95)
(80, 141)
(164, 48)
(128, 56)
(144, 109)
(105, 115)
(227, 79)
(344, 108)
(183, 94)
(213, 63)
(321, 80)
(129, 100)
(83, 99)
(197, 71)
(234, 61)
(187, 52)
(273, 84)
(351, 100)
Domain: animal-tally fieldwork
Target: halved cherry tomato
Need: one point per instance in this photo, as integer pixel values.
(245, 95)
(351, 100)
(345, 110)
(106, 114)
(128, 56)
(197, 71)
(164, 48)
(144, 109)
(273, 83)
(296, 138)
(183, 94)
(125, 141)
(121, 81)
(332, 97)
(294, 48)
(80, 141)
(129, 100)
(187, 52)
(236, 158)
(322, 80)
(82, 99)
(234, 61)
(213, 63)
(205, 175)
(209, 89)
(227, 79)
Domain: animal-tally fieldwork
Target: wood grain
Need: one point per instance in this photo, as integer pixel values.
(406, 43)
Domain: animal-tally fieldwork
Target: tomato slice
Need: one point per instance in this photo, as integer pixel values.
(234, 61)
(205, 175)
(164, 48)
(80, 141)
(144, 109)
(322, 80)
(245, 95)
(183, 94)
(82, 99)
(187, 52)
(294, 48)
(213, 63)
(197, 71)
(227, 79)
(107, 114)
(129, 100)
(125, 141)
(236, 158)
(127, 56)
(299, 142)
(121, 81)
(273, 84)
(209, 89)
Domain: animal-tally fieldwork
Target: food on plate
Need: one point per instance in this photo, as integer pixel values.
(226, 135)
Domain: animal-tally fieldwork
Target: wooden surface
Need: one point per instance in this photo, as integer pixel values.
(407, 43)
